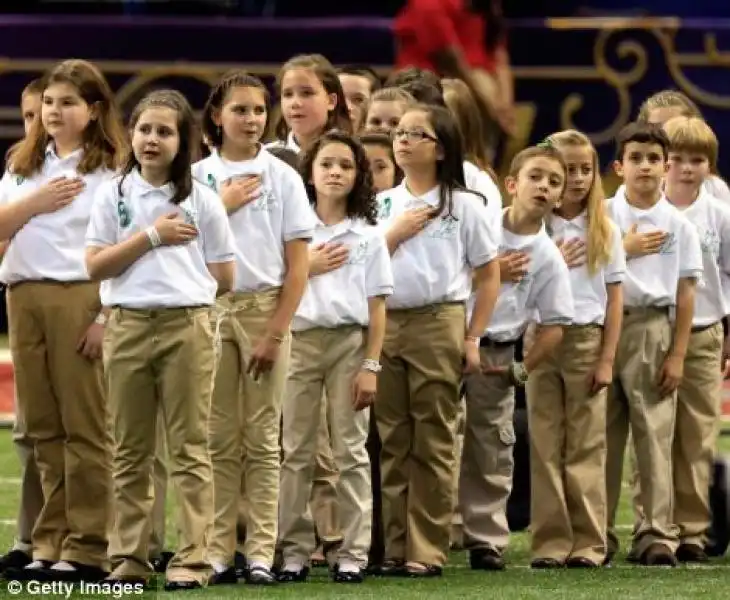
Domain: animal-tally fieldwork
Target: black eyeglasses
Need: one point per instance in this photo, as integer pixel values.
(413, 136)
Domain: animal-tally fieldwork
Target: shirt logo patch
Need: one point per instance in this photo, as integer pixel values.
(125, 214)
(358, 254)
(386, 205)
(445, 228)
(670, 244)
(19, 179)
(190, 215)
(266, 202)
(212, 184)
(709, 241)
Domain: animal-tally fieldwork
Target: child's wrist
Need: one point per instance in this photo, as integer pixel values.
(153, 236)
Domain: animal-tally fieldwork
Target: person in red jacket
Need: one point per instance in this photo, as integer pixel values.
(464, 39)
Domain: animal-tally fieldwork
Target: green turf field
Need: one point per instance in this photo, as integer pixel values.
(623, 581)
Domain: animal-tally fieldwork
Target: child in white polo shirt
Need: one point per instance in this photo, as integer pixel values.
(692, 156)
(163, 241)
(659, 291)
(536, 183)
(272, 223)
(332, 351)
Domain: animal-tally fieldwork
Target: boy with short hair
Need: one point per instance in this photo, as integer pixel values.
(693, 152)
(664, 262)
(359, 84)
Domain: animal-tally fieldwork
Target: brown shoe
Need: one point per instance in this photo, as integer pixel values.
(658, 555)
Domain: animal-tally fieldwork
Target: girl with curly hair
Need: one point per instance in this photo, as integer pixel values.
(338, 333)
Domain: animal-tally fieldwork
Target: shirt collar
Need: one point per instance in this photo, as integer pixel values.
(356, 226)
(291, 143)
(145, 188)
(578, 222)
(432, 197)
(252, 165)
(74, 157)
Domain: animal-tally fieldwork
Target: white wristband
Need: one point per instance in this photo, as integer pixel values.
(371, 365)
(153, 236)
(100, 319)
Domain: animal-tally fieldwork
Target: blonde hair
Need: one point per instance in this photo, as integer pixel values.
(692, 134)
(393, 94)
(668, 99)
(461, 102)
(600, 232)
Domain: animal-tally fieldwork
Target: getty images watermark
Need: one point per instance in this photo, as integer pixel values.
(66, 589)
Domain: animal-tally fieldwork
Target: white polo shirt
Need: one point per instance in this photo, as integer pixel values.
(482, 182)
(543, 294)
(652, 280)
(435, 265)
(166, 276)
(50, 246)
(590, 296)
(340, 297)
(289, 143)
(261, 228)
(711, 219)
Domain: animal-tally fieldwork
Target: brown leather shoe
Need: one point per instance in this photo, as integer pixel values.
(658, 555)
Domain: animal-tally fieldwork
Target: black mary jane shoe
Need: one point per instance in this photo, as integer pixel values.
(79, 573)
(580, 562)
(486, 559)
(427, 572)
(29, 574)
(240, 564)
(347, 576)
(227, 577)
(15, 559)
(546, 563)
(182, 586)
(392, 568)
(299, 576)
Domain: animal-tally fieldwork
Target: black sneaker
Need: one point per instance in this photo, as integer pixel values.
(160, 563)
(79, 573)
(15, 559)
(34, 571)
(347, 576)
(486, 559)
(240, 565)
(260, 576)
(227, 577)
(288, 576)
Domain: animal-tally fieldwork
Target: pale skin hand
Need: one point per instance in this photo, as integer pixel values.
(174, 231)
(237, 193)
(90, 345)
(408, 224)
(642, 244)
(56, 194)
(324, 258)
(472, 358)
(602, 376)
(364, 388)
(573, 251)
(513, 266)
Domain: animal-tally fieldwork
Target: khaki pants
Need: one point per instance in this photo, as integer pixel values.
(699, 401)
(416, 411)
(60, 397)
(634, 400)
(487, 461)
(245, 421)
(324, 489)
(160, 360)
(159, 486)
(325, 360)
(568, 451)
(31, 491)
(457, 528)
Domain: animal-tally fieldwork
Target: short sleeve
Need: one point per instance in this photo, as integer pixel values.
(378, 272)
(615, 270)
(435, 26)
(103, 225)
(299, 220)
(690, 251)
(718, 188)
(217, 238)
(552, 296)
(480, 181)
(481, 241)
